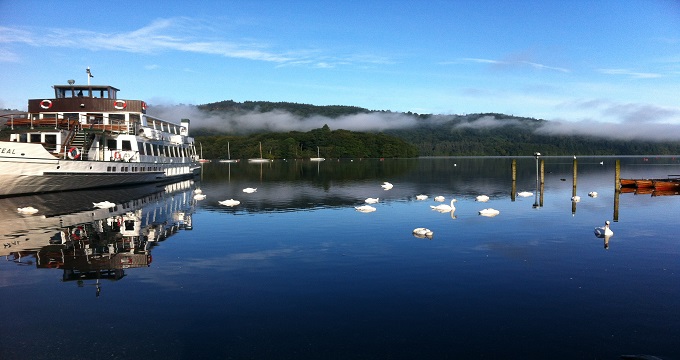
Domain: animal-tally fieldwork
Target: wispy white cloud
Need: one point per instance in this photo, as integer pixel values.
(633, 113)
(8, 56)
(515, 63)
(178, 34)
(630, 73)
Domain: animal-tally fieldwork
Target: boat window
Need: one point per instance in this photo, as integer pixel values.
(116, 119)
(126, 145)
(140, 146)
(35, 138)
(71, 116)
(149, 150)
(51, 142)
(102, 93)
(23, 138)
(95, 118)
(111, 144)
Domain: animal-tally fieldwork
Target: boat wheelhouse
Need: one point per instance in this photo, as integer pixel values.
(87, 137)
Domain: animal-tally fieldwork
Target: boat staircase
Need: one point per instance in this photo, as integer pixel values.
(77, 139)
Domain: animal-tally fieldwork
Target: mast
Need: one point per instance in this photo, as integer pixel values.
(89, 75)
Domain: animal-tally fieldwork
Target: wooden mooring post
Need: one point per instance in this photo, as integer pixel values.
(574, 181)
(514, 179)
(617, 189)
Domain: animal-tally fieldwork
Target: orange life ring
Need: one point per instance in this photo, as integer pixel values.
(143, 105)
(120, 104)
(73, 153)
(46, 104)
(116, 155)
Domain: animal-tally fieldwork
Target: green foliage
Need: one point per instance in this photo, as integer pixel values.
(302, 110)
(295, 144)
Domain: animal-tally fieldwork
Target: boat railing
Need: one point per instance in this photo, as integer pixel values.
(23, 121)
(112, 127)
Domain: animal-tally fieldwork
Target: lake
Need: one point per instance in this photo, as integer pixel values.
(296, 272)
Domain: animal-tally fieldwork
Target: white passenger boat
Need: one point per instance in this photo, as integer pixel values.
(87, 137)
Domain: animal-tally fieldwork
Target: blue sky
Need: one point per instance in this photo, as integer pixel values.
(567, 61)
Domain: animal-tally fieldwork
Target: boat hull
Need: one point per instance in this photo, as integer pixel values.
(19, 176)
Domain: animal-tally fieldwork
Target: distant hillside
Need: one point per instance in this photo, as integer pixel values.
(303, 110)
(487, 134)
(461, 135)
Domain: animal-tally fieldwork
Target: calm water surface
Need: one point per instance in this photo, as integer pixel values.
(295, 272)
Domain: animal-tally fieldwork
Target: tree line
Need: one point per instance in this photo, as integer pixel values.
(325, 142)
(433, 135)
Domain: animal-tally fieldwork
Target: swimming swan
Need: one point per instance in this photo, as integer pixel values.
(604, 230)
(444, 208)
(592, 194)
(27, 210)
(365, 208)
(199, 196)
(489, 212)
(482, 198)
(249, 190)
(575, 198)
(386, 185)
(421, 197)
(524, 194)
(439, 198)
(371, 200)
(230, 202)
(104, 204)
(423, 232)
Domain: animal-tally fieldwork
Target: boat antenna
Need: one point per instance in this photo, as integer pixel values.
(89, 75)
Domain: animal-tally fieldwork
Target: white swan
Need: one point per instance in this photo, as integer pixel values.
(386, 185)
(592, 194)
(27, 210)
(489, 212)
(524, 193)
(230, 202)
(249, 190)
(199, 196)
(439, 198)
(198, 191)
(604, 230)
(371, 200)
(104, 204)
(421, 197)
(365, 208)
(423, 232)
(482, 198)
(575, 198)
(443, 207)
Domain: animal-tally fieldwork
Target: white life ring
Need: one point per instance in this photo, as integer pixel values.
(120, 104)
(46, 104)
(127, 157)
(73, 153)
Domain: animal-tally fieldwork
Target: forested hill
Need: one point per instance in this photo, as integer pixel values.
(303, 110)
(488, 134)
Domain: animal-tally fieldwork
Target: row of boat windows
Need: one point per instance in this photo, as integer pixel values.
(133, 168)
(150, 149)
(105, 93)
(50, 143)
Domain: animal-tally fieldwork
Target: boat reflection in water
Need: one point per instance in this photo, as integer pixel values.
(89, 243)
